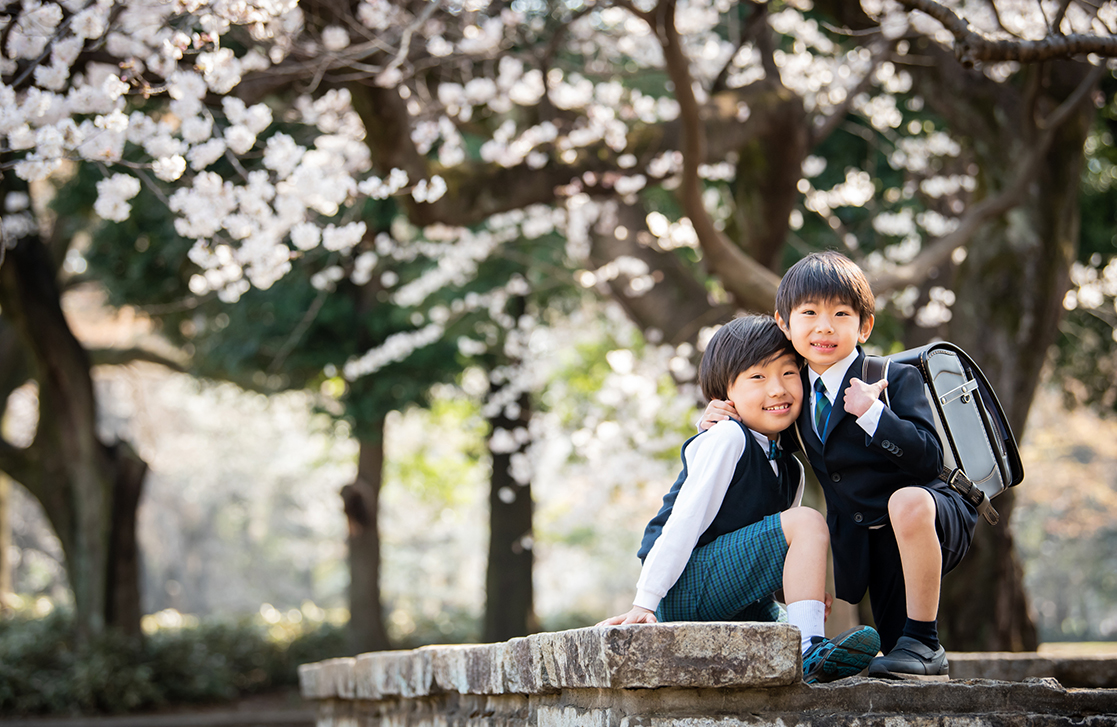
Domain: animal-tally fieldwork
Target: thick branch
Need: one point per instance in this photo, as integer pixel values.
(751, 284)
(679, 306)
(971, 47)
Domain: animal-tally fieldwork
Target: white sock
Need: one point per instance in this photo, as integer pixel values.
(809, 617)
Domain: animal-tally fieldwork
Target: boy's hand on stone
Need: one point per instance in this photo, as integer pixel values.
(859, 396)
(717, 411)
(829, 601)
(636, 616)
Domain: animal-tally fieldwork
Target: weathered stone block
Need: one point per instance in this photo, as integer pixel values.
(1096, 672)
(471, 669)
(701, 655)
(393, 673)
(615, 657)
(326, 679)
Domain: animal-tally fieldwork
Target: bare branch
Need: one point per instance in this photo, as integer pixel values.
(824, 126)
(124, 356)
(750, 283)
(971, 47)
(1059, 15)
(940, 250)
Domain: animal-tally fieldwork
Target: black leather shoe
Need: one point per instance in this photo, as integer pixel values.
(911, 659)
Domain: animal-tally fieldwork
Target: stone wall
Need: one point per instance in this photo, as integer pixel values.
(692, 675)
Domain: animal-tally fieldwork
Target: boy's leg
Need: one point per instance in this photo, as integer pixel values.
(804, 588)
(886, 588)
(804, 571)
(736, 570)
(912, 512)
(933, 530)
(804, 566)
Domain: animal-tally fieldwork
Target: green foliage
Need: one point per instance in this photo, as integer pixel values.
(270, 340)
(435, 471)
(43, 671)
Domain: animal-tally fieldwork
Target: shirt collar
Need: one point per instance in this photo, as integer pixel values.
(833, 377)
(762, 439)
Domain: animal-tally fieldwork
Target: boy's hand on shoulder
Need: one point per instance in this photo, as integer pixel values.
(717, 411)
(859, 396)
(636, 616)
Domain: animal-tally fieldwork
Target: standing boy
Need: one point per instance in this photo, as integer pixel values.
(895, 528)
(730, 532)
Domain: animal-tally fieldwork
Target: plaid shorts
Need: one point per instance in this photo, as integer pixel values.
(732, 578)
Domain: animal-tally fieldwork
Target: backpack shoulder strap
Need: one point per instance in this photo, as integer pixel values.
(875, 368)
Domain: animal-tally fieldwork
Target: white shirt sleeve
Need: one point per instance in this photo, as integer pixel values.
(871, 419)
(710, 460)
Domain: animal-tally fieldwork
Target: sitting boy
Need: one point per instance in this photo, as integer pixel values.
(895, 528)
(730, 531)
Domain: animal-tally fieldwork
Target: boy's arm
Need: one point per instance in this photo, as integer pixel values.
(711, 461)
(905, 433)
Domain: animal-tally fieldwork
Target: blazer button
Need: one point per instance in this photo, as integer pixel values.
(858, 517)
(886, 444)
(835, 477)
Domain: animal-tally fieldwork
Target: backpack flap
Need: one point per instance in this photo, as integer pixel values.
(1002, 443)
(977, 449)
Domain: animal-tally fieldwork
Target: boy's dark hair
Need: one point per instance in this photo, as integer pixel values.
(738, 346)
(823, 277)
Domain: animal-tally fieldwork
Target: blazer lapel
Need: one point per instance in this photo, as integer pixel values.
(838, 412)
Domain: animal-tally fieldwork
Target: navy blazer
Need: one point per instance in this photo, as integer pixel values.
(858, 473)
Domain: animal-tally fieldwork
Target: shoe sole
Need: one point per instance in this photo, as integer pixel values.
(852, 652)
(911, 677)
(901, 676)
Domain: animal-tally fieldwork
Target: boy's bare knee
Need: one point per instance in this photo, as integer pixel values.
(911, 508)
(804, 522)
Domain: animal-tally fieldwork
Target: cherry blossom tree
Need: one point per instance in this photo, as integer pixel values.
(675, 147)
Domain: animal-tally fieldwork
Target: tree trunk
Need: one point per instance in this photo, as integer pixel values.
(1009, 294)
(509, 594)
(362, 509)
(6, 581)
(89, 490)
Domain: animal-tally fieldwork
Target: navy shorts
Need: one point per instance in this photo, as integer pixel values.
(732, 578)
(955, 520)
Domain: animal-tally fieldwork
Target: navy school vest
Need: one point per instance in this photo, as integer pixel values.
(754, 493)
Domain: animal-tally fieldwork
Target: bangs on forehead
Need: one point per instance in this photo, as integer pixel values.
(825, 278)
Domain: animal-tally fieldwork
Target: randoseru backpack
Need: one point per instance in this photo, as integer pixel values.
(980, 456)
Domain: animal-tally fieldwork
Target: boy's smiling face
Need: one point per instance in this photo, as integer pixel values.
(768, 396)
(824, 333)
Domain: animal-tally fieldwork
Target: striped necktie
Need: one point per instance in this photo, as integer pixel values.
(821, 409)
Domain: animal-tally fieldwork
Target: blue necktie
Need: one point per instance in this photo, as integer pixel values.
(821, 409)
(774, 450)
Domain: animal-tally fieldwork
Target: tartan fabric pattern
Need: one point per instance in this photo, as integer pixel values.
(724, 580)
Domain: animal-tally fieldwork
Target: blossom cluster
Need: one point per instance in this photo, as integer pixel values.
(257, 186)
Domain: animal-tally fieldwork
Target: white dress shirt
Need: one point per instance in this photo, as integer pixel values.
(711, 460)
(832, 379)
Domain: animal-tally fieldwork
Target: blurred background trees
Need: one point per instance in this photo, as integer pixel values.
(383, 205)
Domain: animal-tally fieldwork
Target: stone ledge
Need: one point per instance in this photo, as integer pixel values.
(1095, 672)
(858, 701)
(691, 655)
